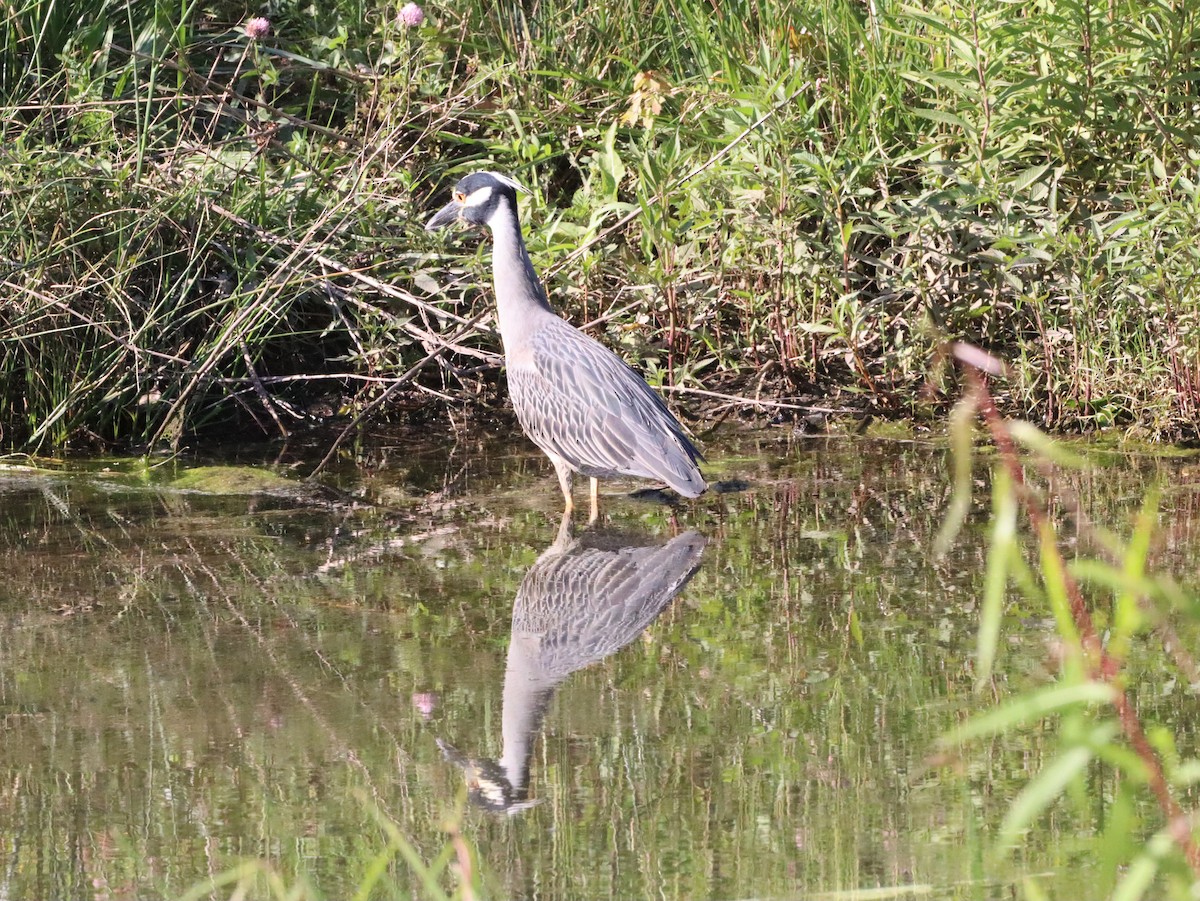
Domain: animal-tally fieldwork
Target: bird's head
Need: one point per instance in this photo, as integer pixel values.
(488, 786)
(476, 199)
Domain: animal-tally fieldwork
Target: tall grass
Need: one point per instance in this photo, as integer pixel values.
(199, 230)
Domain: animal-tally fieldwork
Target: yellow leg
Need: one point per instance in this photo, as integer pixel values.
(564, 482)
(565, 534)
(595, 501)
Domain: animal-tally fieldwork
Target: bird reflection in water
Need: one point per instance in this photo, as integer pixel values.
(584, 599)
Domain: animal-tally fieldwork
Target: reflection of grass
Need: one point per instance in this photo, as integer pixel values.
(1100, 725)
(455, 865)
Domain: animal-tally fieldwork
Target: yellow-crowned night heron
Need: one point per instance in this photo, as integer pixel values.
(588, 411)
(580, 602)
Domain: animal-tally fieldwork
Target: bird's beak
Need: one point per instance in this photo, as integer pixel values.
(443, 217)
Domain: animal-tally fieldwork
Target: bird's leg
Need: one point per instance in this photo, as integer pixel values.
(564, 481)
(565, 533)
(595, 501)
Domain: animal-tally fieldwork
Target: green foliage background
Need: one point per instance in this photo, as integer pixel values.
(197, 229)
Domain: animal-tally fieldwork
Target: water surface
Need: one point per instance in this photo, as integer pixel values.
(735, 699)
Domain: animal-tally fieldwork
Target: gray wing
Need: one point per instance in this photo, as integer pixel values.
(580, 401)
(589, 602)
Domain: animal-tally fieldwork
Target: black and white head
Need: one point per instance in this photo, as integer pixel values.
(488, 786)
(477, 198)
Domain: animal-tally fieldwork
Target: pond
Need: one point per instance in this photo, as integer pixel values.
(735, 699)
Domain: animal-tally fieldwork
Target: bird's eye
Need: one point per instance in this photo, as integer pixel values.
(460, 196)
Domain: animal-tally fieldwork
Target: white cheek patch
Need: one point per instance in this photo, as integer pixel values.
(479, 196)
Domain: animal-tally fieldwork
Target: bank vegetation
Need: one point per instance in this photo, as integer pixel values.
(207, 229)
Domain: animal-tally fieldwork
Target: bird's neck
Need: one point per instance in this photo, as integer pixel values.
(527, 694)
(519, 292)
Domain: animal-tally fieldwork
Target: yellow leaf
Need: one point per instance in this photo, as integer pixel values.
(646, 100)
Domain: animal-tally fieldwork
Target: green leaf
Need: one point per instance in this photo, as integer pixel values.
(964, 51)
(1114, 579)
(1127, 614)
(1117, 842)
(611, 167)
(962, 444)
(1030, 436)
(401, 846)
(1041, 792)
(1187, 773)
(1000, 551)
(1055, 579)
(1028, 177)
(944, 118)
(1141, 873)
(1030, 708)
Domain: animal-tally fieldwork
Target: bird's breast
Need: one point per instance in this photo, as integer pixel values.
(519, 355)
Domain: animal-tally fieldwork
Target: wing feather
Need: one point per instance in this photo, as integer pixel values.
(580, 401)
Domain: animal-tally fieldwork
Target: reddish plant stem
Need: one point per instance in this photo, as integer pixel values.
(1101, 666)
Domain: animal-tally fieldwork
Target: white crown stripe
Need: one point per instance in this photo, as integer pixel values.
(508, 180)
